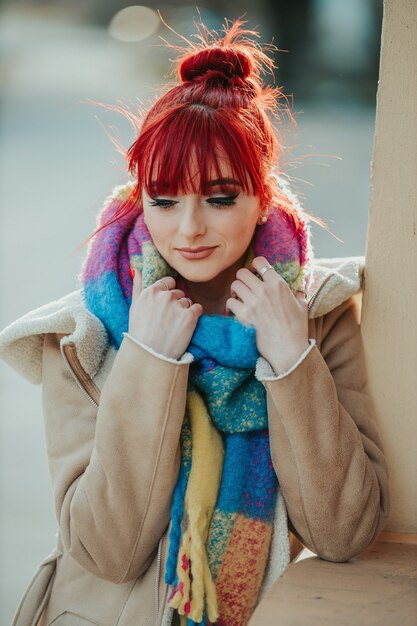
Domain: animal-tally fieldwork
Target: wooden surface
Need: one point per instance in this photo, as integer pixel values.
(379, 588)
(388, 537)
(389, 307)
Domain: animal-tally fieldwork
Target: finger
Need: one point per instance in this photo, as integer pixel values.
(242, 291)
(185, 302)
(248, 278)
(164, 282)
(235, 307)
(197, 309)
(300, 294)
(259, 263)
(175, 294)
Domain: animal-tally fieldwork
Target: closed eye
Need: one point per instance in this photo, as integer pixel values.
(223, 201)
(163, 203)
(220, 201)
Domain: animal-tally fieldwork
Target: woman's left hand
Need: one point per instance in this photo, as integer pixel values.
(279, 316)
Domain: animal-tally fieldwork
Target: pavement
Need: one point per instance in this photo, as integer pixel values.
(56, 167)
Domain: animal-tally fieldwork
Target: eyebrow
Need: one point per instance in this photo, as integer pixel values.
(210, 183)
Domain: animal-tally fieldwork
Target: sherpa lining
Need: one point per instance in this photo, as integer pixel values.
(21, 343)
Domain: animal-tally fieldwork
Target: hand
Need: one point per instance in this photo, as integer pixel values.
(279, 316)
(162, 318)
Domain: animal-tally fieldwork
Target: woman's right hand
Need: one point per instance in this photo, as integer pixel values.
(162, 318)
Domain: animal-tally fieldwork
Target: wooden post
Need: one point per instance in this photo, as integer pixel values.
(389, 311)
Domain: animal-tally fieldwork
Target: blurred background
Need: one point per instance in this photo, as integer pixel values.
(57, 164)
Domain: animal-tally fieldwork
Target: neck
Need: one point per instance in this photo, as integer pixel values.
(214, 293)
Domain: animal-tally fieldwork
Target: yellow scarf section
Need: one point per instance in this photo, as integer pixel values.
(200, 501)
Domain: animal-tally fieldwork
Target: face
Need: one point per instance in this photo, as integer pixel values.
(222, 222)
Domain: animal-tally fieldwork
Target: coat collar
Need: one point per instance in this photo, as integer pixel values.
(329, 282)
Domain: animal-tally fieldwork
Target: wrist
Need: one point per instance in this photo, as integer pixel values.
(187, 357)
(281, 361)
(155, 345)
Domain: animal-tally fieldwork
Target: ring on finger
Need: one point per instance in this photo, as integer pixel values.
(264, 269)
(165, 283)
(301, 291)
(190, 302)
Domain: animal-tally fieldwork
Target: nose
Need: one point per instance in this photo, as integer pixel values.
(192, 223)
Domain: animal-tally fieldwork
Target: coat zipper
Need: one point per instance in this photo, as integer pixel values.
(158, 576)
(83, 381)
(171, 619)
(168, 621)
(313, 298)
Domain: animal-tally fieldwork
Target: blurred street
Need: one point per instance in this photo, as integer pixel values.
(56, 167)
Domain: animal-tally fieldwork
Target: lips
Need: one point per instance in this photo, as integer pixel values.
(196, 249)
(196, 253)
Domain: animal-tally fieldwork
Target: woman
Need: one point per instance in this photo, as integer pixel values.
(204, 392)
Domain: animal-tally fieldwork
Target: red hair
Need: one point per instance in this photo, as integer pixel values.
(218, 108)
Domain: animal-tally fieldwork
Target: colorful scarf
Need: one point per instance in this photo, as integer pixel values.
(224, 499)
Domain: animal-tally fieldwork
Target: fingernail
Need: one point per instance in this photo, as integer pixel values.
(132, 273)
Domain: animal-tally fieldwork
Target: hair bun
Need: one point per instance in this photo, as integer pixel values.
(216, 63)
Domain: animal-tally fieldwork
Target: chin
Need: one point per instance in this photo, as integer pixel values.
(198, 275)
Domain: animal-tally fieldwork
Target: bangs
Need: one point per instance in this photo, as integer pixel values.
(193, 147)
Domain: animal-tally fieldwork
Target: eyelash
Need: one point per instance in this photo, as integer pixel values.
(220, 204)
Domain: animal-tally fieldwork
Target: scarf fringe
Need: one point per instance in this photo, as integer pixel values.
(195, 583)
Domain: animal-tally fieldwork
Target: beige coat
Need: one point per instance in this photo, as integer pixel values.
(113, 421)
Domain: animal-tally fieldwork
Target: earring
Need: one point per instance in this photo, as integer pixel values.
(263, 219)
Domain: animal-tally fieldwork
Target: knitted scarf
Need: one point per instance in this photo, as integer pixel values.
(224, 499)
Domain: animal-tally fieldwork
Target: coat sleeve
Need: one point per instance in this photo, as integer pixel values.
(113, 469)
(325, 447)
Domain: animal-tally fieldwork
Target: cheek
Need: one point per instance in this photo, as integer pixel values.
(240, 232)
(158, 228)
